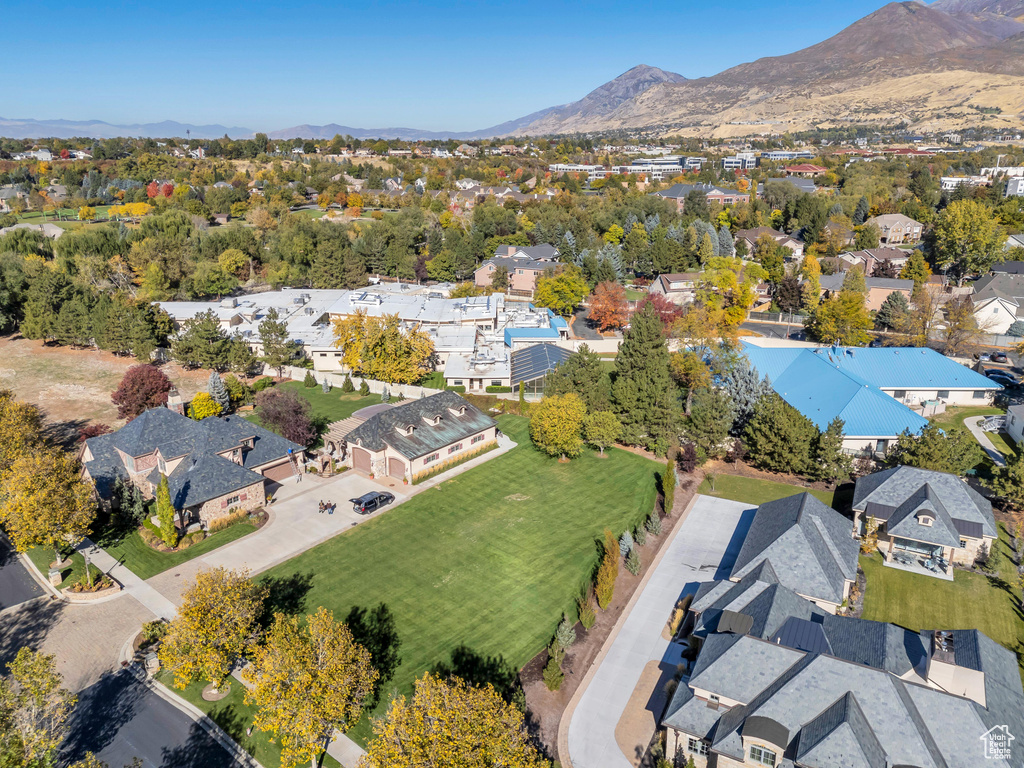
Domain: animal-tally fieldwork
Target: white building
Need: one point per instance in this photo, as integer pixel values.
(1015, 188)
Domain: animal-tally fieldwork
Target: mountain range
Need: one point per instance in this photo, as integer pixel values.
(943, 66)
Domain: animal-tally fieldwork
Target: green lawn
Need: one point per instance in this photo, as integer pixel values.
(487, 561)
(954, 417)
(970, 601)
(434, 380)
(146, 562)
(751, 490)
(1003, 443)
(333, 406)
(634, 295)
(233, 715)
(41, 557)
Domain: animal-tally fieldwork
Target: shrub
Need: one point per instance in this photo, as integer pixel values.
(553, 675)
(149, 538)
(185, 542)
(640, 535)
(460, 389)
(154, 630)
(604, 589)
(348, 387)
(625, 544)
(197, 536)
(654, 524)
(565, 635)
(309, 381)
(586, 610)
(265, 382)
(444, 466)
(364, 388)
(496, 390)
(325, 386)
(231, 518)
(633, 562)
(668, 485)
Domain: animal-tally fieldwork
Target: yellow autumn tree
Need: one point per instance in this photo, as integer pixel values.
(379, 348)
(450, 724)
(45, 502)
(203, 406)
(216, 623)
(349, 333)
(86, 213)
(308, 679)
(21, 427)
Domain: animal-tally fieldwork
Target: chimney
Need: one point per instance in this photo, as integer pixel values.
(174, 401)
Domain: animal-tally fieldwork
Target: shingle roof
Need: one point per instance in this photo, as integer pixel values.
(907, 520)
(840, 737)
(383, 428)
(809, 545)
(835, 283)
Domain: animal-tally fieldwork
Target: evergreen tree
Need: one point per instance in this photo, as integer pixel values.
(642, 393)
(327, 270)
(279, 349)
(240, 358)
(202, 344)
(583, 374)
(893, 310)
(218, 391)
(707, 426)
(353, 271)
(830, 461)
(780, 438)
(745, 388)
(165, 513)
(726, 246)
(73, 327)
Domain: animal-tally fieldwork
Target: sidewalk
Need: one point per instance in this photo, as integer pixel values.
(130, 583)
(973, 423)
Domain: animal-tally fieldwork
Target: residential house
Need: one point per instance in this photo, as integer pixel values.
(879, 288)
(1012, 241)
(1014, 187)
(925, 520)
(807, 544)
(497, 365)
(870, 259)
(212, 466)
(896, 228)
(805, 170)
(714, 194)
(524, 264)
(750, 237)
(678, 287)
(998, 301)
(8, 195)
(1015, 423)
(870, 389)
(49, 230)
(826, 691)
(1011, 267)
(408, 439)
(807, 186)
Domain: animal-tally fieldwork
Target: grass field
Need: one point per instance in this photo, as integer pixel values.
(41, 557)
(487, 561)
(146, 562)
(970, 601)
(233, 715)
(752, 490)
(333, 406)
(954, 417)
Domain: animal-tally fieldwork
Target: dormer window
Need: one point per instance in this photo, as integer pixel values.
(432, 420)
(408, 430)
(458, 411)
(925, 519)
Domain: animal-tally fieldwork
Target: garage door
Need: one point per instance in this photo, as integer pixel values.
(361, 460)
(279, 472)
(396, 468)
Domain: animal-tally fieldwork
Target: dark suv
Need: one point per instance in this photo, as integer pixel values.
(371, 501)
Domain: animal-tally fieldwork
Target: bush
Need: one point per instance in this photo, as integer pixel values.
(640, 535)
(668, 485)
(444, 466)
(348, 387)
(262, 383)
(309, 381)
(604, 588)
(625, 544)
(586, 610)
(565, 635)
(364, 388)
(154, 630)
(231, 518)
(553, 675)
(654, 524)
(460, 389)
(185, 542)
(496, 390)
(149, 538)
(633, 562)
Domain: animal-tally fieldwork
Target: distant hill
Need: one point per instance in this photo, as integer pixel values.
(1002, 18)
(329, 131)
(97, 129)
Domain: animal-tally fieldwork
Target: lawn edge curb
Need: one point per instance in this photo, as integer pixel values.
(35, 573)
(570, 709)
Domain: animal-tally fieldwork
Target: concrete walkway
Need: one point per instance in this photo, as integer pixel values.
(602, 734)
(130, 583)
(973, 423)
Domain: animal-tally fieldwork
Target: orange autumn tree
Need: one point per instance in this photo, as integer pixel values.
(608, 307)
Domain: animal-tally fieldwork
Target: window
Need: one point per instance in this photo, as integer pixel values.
(457, 382)
(233, 500)
(899, 394)
(431, 457)
(942, 394)
(763, 756)
(696, 747)
(963, 543)
(519, 271)
(979, 394)
(477, 439)
(713, 698)
(495, 382)
(453, 448)
(995, 310)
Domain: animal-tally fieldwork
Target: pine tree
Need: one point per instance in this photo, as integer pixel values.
(353, 271)
(830, 461)
(779, 437)
(165, 513)
(726, 246)
(348, 387)
(893, 310)
(327, 270)
(860, 215)
(643, 394)
(279, 349)
(711, 417)
(216, 389)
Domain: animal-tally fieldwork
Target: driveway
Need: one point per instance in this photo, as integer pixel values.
(16, 585)
(602, 733)
(295, 526)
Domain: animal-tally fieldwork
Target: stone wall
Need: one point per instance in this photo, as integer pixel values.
(249, 499)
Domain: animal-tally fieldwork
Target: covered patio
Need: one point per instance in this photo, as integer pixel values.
(918, 557)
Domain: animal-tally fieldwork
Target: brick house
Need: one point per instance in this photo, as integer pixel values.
(524, 265)
(413, 437)
(714, 194)
(212, 466)
(896, 228)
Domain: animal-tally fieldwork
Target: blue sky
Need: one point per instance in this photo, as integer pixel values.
(428, 65)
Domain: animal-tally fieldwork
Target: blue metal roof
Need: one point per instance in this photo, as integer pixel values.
(520, 334)
(846, 382)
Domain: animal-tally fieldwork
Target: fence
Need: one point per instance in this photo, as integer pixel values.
(409, 391)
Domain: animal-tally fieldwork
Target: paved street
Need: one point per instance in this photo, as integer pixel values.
(704, 549)
(16, 585)
(118, 718)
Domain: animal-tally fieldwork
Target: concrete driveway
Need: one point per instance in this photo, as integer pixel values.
(296, 525)
(617, 713)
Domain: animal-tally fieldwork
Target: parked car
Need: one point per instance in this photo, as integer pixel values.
(993, 424)
(1005, 378)
(369, 502)
(1000, 357)
(984, 357)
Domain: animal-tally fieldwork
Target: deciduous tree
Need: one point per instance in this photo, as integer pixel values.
(562, 292)
(308, 679)
(142, 387)
(608, 307)
(602, 428)
(203, 406)
(967, 238)
(217, 622)
(21, 430)
(916, 269)
(556, 425)
(287, 414)
(841, 319)
(34, 711)
(962, 331)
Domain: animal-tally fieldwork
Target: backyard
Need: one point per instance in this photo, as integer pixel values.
(332, 406)
(477, 571)
(752, 490)
(971, 601)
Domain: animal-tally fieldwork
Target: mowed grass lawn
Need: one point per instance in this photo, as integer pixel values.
(954, 417)
(970, 601)
(145, 562)
(752, 490)
(489, 560)
(334, 406)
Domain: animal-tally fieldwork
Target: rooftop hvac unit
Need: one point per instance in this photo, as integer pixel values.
(229, 303)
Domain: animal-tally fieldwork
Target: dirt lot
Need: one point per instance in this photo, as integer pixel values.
(73, 386)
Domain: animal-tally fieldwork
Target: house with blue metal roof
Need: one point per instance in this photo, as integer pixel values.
(877, 392)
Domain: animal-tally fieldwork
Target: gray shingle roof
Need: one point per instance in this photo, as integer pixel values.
(383, 428)
(809, 545)
(908, 520)
(840, 737)
(892, 487)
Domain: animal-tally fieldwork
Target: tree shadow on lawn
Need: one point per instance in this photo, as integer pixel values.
(375, 630)
(286, 594)
(479, 670)
(64, 433)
